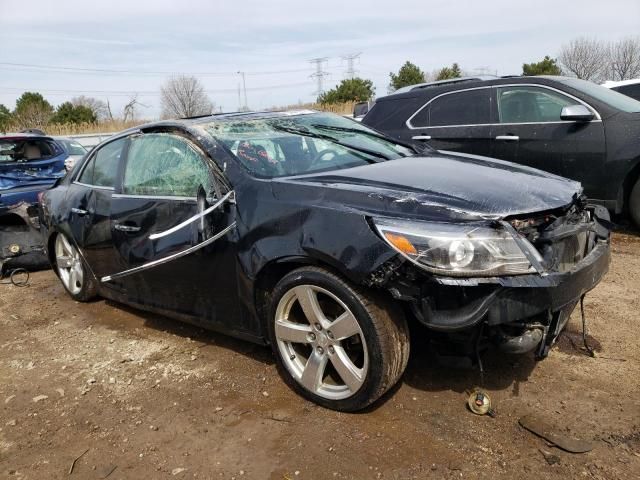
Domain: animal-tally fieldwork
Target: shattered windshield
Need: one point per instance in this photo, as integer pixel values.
(303, 143)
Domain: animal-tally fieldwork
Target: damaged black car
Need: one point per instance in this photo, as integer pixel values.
(324, 239)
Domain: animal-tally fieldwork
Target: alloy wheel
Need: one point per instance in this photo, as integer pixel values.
(69, 265)
(321, 342)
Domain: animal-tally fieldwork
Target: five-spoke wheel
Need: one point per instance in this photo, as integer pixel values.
(71, 270)
(335, 344)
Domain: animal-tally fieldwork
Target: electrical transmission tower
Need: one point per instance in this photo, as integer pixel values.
(319, 74)
(351, 58)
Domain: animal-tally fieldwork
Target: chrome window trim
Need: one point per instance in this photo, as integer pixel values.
(582, 102)
(175, 256)
(153, 197)
(99, 187)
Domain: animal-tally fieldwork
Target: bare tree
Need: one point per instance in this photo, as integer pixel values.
(184, 96)
(625, 59)
(98, 107)
(586, 58)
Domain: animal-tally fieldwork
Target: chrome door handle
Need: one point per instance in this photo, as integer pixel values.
(126, 228)
(508, 138)
(421, 137)
(79, 211)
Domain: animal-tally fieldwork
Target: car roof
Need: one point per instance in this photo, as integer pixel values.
(24, 136)
(462, 83)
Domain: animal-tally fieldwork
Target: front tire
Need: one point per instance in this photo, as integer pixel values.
(634, 204)
(76, 278)
(336, 345)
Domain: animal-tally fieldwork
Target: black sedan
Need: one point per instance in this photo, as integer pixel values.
(324, 239)
(566, 126)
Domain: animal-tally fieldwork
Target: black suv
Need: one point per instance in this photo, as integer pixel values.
(566, 126)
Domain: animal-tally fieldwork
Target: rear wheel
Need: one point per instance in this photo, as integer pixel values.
(75, 277)
(634, 203)
(335, 345)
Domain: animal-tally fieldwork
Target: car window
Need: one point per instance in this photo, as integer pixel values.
(469, 107)
(161, 164)
(632, 90)
(102, 168)
(531, 104)
(73, 148)
(27, 150)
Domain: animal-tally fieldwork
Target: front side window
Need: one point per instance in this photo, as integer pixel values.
(531, 105)
(468, 107)
(102, 168)
(160, 164)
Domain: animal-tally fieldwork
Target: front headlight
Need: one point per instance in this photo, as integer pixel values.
(457, 249)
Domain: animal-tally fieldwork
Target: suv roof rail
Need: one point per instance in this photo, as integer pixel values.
(417, 86)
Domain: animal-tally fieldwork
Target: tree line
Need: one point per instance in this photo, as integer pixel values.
(185, 96)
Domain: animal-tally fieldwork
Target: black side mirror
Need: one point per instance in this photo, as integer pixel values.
(576, 113)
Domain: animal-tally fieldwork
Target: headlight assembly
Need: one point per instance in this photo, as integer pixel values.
(461, 250)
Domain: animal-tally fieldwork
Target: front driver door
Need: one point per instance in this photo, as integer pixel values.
(175, 247)
(530, 132)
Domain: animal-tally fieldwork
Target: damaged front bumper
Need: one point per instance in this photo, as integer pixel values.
(520, 313)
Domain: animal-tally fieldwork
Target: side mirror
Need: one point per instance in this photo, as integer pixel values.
(576, 113)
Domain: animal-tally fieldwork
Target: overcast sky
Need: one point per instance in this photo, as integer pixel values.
(273, 42)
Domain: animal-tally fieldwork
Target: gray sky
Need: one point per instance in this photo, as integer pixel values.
(214, 39)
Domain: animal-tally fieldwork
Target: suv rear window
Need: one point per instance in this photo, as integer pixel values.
(467, 107)
(27, 150)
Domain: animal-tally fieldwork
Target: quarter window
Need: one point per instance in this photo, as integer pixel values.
(531, 105)
(161, 164)
(102, 168)
(469, 107)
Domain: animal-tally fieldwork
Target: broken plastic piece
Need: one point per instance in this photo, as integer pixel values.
(537, 425)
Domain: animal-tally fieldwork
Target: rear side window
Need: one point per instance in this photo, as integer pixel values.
(531, 105)
(160, 164)
(469, 107)
(102, 168)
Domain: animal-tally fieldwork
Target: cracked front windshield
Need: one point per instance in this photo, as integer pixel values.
(302, 143)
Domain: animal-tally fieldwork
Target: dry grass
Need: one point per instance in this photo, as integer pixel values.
(101, 127)
(118, 125)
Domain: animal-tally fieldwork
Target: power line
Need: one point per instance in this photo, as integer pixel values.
(319, 74)
(350, 58)
(59, 68)
(7, 89)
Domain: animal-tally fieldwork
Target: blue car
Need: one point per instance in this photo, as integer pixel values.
(29, 164)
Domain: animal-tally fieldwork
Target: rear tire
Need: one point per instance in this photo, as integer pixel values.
(344, 348)
(76, 278)
(634, 204)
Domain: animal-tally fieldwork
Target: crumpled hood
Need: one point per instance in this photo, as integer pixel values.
(442, 185)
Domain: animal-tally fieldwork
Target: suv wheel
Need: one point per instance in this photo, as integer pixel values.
(75, 277)
(334, 344)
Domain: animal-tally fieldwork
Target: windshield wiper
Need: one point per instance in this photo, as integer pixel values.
(329, 138)
(368, 133)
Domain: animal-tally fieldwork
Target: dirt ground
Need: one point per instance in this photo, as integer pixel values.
(136, 396)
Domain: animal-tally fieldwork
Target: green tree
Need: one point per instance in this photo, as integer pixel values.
(32, 111)
(5, 118)
(67, 112)
(445, 73)
(409, 74)
(547, 66)
(349, 90)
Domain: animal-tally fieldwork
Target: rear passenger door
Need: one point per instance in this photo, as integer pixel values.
(529, 131)
(458, 121)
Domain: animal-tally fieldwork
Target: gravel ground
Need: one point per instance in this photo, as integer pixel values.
(132, 395)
